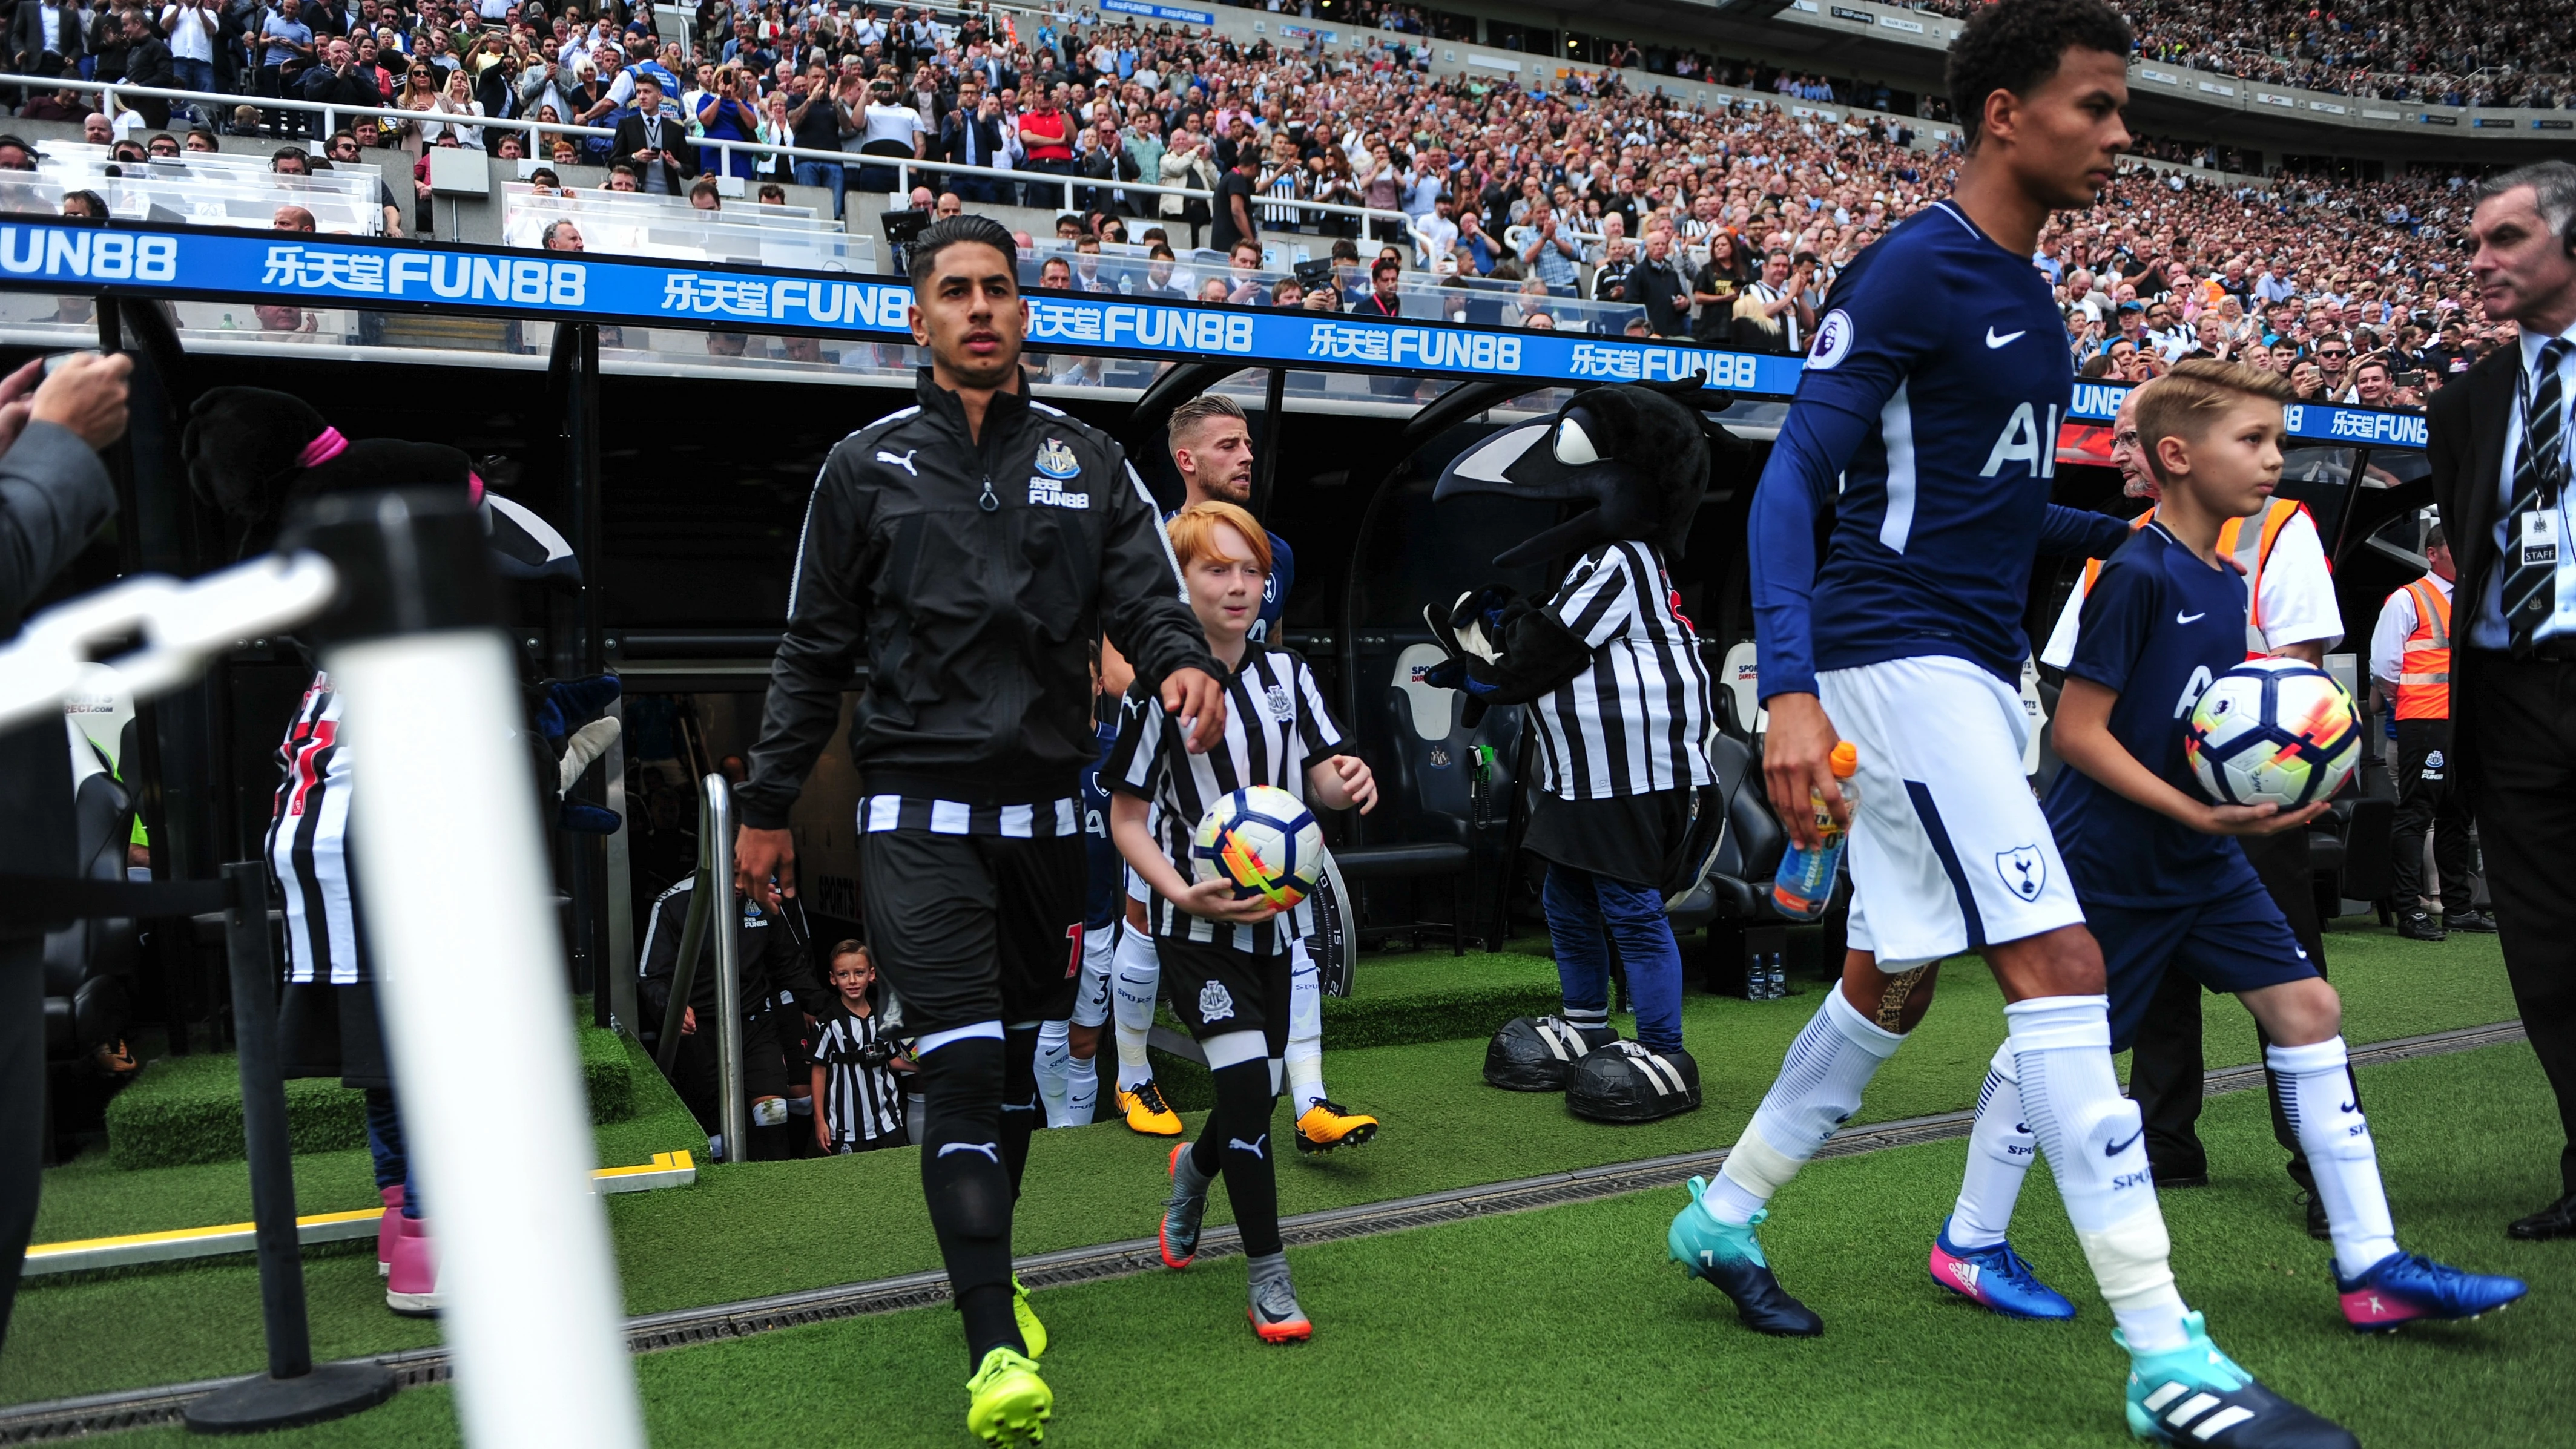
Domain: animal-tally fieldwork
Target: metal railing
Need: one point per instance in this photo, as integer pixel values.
(711, 903)
(113, 92)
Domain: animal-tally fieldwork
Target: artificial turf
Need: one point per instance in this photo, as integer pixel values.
(185, 1110)
(1567, 1325)
(764, 1228)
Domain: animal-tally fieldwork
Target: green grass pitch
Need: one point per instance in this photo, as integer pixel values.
(1538, 1327)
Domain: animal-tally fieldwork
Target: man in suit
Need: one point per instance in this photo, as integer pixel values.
(2499, 456)
(972, 136)
(660, 161)
(48, 39)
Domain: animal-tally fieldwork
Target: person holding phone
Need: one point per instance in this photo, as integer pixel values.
(649, 138)
(727, 116)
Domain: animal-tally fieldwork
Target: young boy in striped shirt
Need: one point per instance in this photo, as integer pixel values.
(861, 1102)
(1225, 961)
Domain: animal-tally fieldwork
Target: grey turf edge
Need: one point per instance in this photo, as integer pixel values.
(72, 1418)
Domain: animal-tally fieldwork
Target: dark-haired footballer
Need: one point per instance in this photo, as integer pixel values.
(967, 549)
(1924, 429)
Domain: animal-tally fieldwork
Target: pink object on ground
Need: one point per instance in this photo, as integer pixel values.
(386, 1229)
(411, 1289)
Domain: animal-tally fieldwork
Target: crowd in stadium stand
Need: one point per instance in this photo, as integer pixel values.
(1725, 223)
(2510, 54)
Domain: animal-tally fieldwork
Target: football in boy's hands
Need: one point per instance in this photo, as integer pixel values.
(1263, 842)
(2273, 732)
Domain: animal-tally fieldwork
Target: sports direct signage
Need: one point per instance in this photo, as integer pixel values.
(578, 287)
(1151, 11)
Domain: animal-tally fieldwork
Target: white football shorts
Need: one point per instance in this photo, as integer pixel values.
(1949, 850)
(1091, 993)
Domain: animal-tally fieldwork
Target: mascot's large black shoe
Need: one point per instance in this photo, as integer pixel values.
(1624, 1082)
(1537, 1054)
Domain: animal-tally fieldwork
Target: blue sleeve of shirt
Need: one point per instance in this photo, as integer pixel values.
(2080, 532)
(1283, 577)
(1797, 486)
(1832, 415)
(2118, 614)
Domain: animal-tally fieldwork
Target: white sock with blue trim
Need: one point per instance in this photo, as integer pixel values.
(1053, 1053)
(2316, 1095)
(2000, 1152)
(2096, 1145)
(1818, 1089)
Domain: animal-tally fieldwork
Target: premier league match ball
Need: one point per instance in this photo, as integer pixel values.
(2273, 732)
(1263, 842)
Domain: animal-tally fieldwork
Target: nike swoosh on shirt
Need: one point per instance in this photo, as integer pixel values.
(1993, 341)
(2191, 618)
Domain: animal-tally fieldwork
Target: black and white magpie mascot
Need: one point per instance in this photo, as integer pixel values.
(1620, 702)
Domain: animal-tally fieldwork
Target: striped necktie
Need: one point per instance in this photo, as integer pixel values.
(2530, 595)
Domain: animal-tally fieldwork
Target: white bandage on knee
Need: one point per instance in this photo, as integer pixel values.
(1305, 1058)
(2317, 1097)
(1135, 976)
(1053, 1053)
(1818, 1089)
(2132, 1262)
(2095, 1141)
(1233, 1049)
(2000, 1151)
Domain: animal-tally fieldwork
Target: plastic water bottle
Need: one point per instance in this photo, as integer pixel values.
(1805, 882)
(1775, 982)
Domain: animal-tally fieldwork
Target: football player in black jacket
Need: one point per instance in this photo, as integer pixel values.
(967, 549)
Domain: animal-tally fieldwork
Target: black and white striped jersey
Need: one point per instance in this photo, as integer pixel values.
(1276, 726)
(1638, 720)
(308, 844)
(860, 1103)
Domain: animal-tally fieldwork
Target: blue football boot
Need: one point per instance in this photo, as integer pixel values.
(2403, 1287)
(1995, 1277)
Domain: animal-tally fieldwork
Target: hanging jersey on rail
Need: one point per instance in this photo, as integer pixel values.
(308, 844)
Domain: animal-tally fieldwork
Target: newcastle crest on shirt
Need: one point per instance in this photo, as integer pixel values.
(1056, 465)
(1277, 700)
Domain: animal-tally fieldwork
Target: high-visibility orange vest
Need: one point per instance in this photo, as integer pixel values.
(2424, 672)
(2251, 550)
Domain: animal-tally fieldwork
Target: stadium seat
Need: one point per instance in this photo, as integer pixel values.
(1434, 797)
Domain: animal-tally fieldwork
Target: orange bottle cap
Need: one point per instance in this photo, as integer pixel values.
(1845, 760)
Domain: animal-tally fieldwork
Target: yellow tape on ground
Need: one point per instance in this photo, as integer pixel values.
(667, 1169)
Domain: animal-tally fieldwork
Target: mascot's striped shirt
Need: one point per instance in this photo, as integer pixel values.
(1637, 721)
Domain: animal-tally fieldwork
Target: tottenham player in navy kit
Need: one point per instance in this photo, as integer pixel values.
(2161, 877)
(1926, 421)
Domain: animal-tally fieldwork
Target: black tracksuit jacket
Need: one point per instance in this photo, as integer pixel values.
(968, 578)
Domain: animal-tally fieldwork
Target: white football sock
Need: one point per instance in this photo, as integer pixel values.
(2317, 1095)
(2000, 1151)
(1818, 1089)
(1135, 975)
(1081, 1090)
(1052, 1054)
(1305, 1057)
(2096, 1145)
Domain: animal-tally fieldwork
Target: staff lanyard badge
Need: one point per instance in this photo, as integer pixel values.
(2540, 536)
